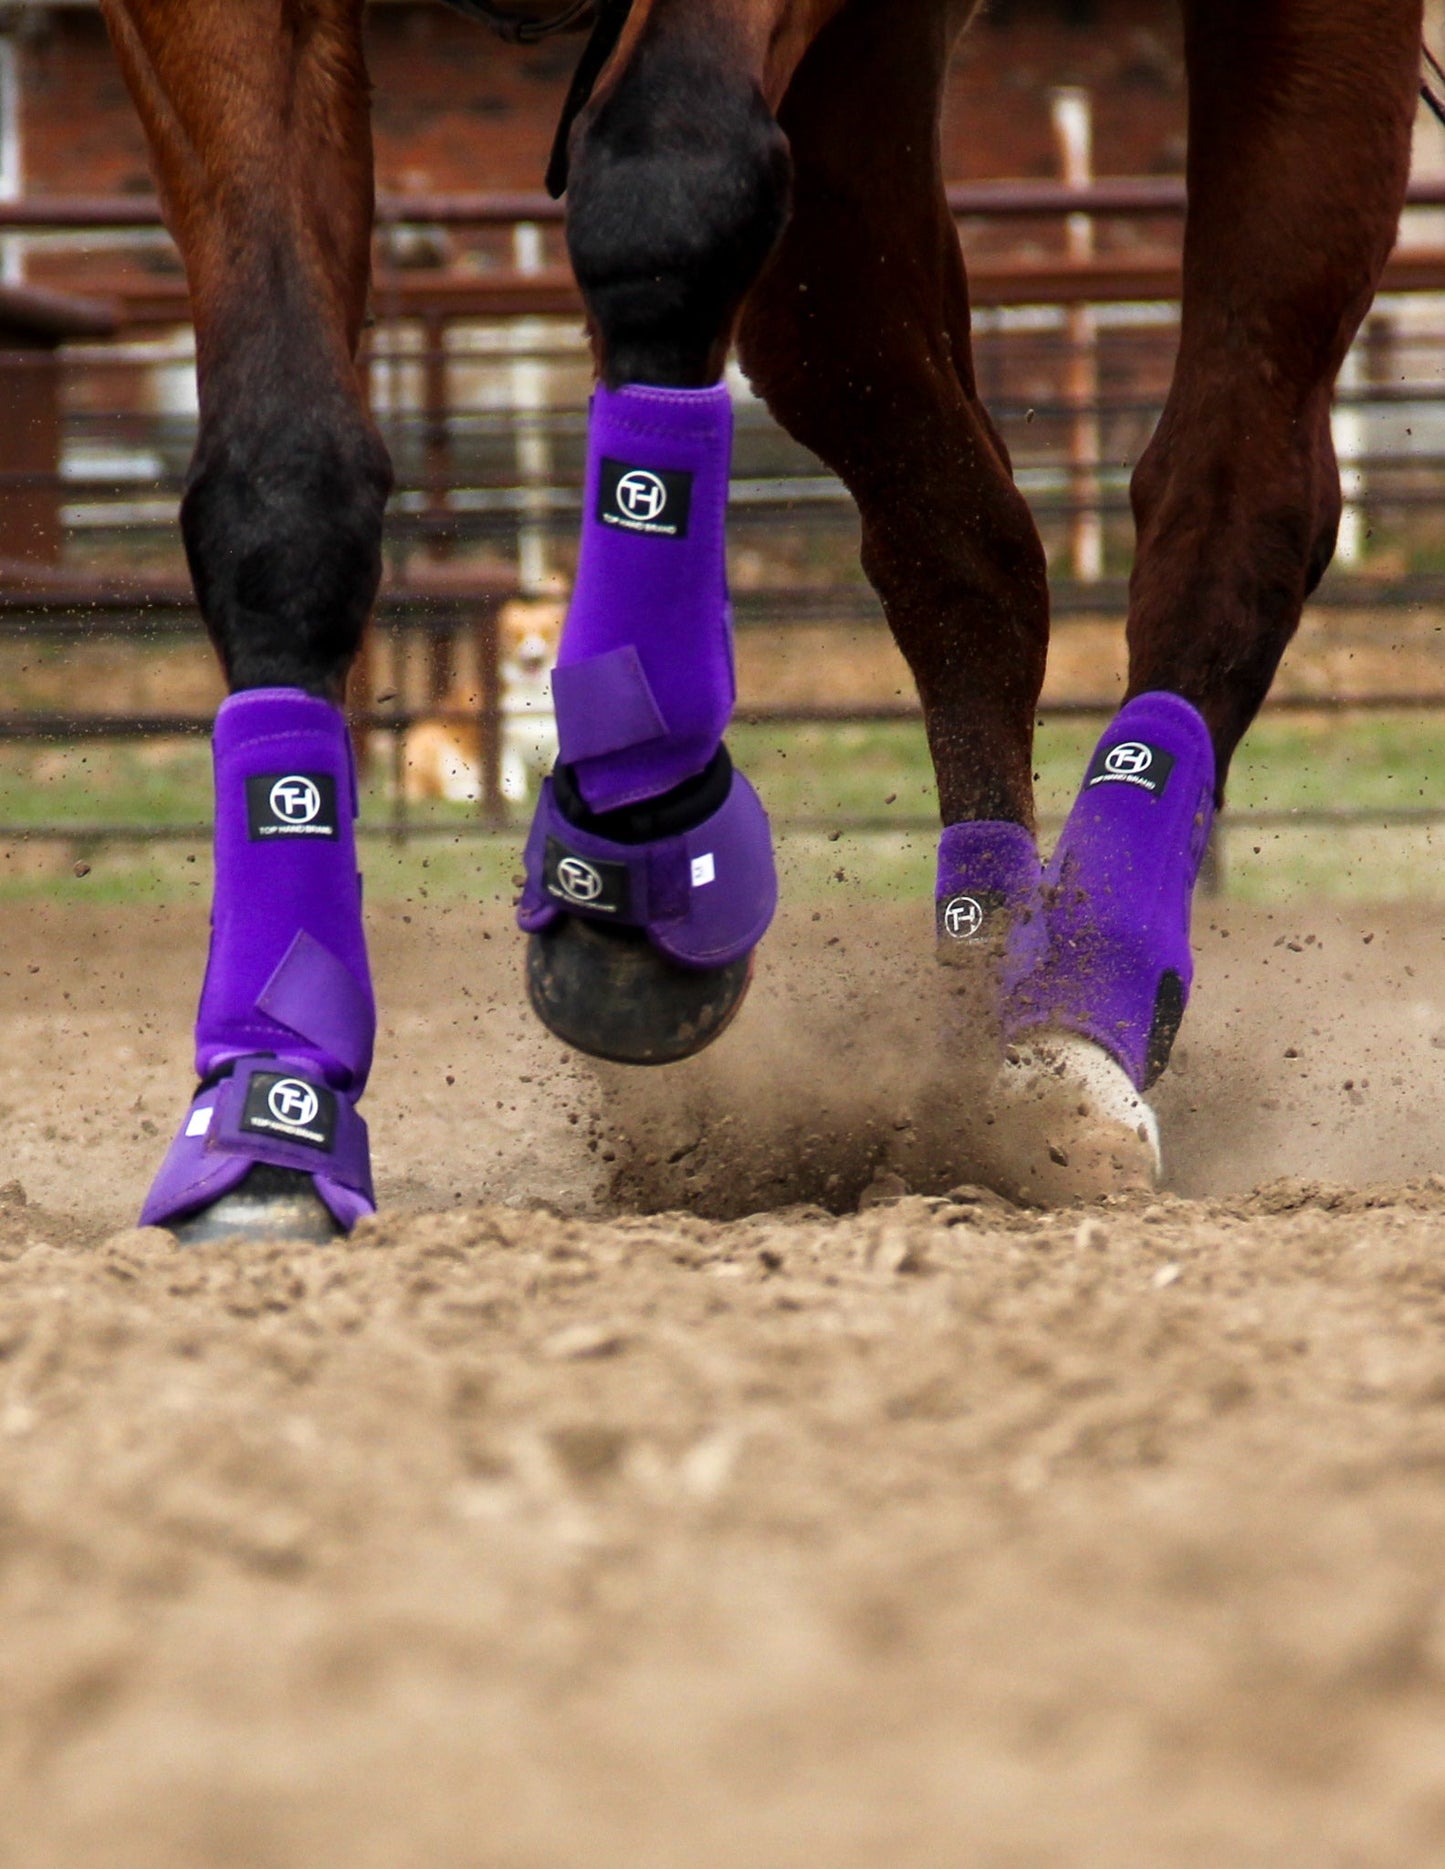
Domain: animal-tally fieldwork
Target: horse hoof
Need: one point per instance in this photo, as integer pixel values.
(608, 992)
(270, 1204)
(1069, 1124)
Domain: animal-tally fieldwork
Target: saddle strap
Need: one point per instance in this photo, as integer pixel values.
(525, 22)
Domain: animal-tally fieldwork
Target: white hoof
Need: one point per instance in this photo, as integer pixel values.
(1067, 1123)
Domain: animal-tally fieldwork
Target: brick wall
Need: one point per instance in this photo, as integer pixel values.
(457, 109)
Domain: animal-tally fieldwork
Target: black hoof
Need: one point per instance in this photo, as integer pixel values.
(608, 992)
(270, 1204)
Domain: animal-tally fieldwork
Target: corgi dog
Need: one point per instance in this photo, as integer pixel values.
(443, 758)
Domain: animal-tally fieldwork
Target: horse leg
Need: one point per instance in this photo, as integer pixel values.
(858, 336)
(1300, 115)
(258, 127)
(649, 868)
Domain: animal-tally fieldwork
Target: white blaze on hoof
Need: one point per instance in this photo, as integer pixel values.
(1068, 1125)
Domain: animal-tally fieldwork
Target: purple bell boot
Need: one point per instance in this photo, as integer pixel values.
(1105, 954)
(645, 826)
(286, 1023)
(988, 873)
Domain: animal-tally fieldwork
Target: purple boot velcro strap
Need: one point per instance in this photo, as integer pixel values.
(1106, 952)
(275, 1110)
(318, 999)
(704, 897)
(987, 873)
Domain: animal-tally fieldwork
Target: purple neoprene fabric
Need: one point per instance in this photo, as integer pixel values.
(704, 897)
(644, 679)
(287, 992)
(988, 870)
(1105, 952)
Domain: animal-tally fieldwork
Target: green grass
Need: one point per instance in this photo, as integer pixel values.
(821, 774)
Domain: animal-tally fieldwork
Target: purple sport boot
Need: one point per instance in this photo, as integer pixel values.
(649, 868)
(988, 874)
(286, 1023)
(1107, 954)
(1098, 969)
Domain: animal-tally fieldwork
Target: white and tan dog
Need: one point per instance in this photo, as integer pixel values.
(443, 758)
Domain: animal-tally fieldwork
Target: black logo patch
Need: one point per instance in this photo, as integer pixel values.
(291, 804)
(644, 499)
(1131, 762)
(583, 883)
(966, 916)
(292, 1108)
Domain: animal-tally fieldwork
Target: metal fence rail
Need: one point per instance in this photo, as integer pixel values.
(478, 376)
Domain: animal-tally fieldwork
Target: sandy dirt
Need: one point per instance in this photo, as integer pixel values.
(537, 1526)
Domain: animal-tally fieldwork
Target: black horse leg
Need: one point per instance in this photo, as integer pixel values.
(650, 874)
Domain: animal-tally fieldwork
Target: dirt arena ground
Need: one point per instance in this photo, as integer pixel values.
(540, 1528)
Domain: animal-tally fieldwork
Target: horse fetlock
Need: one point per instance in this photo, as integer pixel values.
(282, 528)
(702, 888)
(287, 1021)
(678, 192)
(643, 920)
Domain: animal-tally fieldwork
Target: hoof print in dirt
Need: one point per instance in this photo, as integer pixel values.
(608, 992)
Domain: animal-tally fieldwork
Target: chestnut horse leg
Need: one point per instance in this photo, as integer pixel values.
(858, 336)
(257, 118)
(1300, 114)
(1299, 123)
